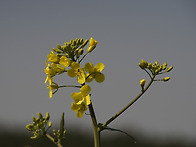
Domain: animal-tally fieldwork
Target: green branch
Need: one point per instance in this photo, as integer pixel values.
(130, 104)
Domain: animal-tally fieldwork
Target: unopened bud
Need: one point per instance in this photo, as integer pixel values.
(29, 127)
(80, 52)
(143, 64)
(47, 116)
(40, 115)
(34, 119)
(50, 124)
(142, 82)
(57, 50)
(84, 43)
(166, 79)
(58, 46)
(170, 68)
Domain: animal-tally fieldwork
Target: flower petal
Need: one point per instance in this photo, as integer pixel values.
(99, 67)
(99, 77)
(85, 89)
(76, 96)
(64, 61)
(71, 73)
(88, 100)
(89, 67)
(75, 65)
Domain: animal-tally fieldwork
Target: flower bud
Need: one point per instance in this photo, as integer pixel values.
(170, 68)
(57, 50)
(47, 116)
(80, 51)
(84, 43)
(142, 82)
(40, 115)
(34, 119)
(143, 64)
(29, 127)
(50, 124)
(58, 46)
(166, 79)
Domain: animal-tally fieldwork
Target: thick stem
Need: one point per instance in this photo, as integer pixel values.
(131, 103)
(95, 126)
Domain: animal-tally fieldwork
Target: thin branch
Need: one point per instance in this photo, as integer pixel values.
(130, 104)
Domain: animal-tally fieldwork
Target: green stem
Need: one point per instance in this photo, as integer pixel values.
(96, 130)
(69, 86)
(131, 103)
(83, 57)
(52, 139)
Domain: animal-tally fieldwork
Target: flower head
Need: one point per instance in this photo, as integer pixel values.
(94, 72)
(83, 95)
(76, 70)
(92, 45)
(50, 71)
(79, 109)
(52, 57)
(82, 99)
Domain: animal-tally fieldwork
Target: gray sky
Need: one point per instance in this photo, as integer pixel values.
(127, 31)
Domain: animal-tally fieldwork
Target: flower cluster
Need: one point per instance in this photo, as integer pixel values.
(155, 69)
(67, 59)
(39, 126)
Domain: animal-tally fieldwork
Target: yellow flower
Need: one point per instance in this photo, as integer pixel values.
(50, 71)
(52, 57)
(76, 70)
(82, 96)
(64, 61)
(92, 45)
(79, 109)
(94, 72)
(52, 86)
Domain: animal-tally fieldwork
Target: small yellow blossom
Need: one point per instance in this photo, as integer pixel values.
(83, 95)
(52, 57)
(79, 109)
(49, 71)
(94, 72)
(76, 70)
(92, 45)
(52, 86)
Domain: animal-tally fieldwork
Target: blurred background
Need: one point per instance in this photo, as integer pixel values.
(127, 31)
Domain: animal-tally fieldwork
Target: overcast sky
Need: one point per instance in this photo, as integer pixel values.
(127, 31)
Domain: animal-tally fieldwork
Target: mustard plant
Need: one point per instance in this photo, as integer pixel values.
(66, 59)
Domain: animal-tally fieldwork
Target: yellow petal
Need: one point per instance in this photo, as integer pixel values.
(88, 100)
(99, 77)
(89, 67)
(76, 96)
(92, 42)
(85, 89)
(74, 107)
(75, 65)
(99, 67)
(64, 61)
(71, 73)
(81, 76)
